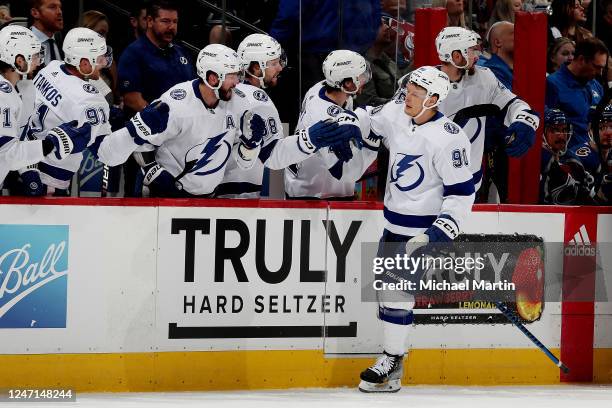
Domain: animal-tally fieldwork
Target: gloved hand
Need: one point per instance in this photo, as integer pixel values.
(325, 134)
(159, 181)
(519, 138)
(32, 186)
(69, 139)
(253, 130)
(443, 229)
(152, 120)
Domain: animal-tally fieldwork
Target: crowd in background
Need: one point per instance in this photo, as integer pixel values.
(149, 59)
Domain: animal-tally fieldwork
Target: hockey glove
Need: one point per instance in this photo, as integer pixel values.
(32, 186)
(443, 229)
(253, 130)
(68, 139)
(159, 181)
(521, 133)
(324, 134)
(152, 120)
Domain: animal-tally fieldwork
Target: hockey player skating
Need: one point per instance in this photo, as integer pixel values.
(64, 93)
(263, 60)
(206, 129)
(20, 54)
(429, 193)
(332, 173)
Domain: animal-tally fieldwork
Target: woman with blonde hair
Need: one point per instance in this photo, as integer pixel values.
(504, 11)
(455, 9)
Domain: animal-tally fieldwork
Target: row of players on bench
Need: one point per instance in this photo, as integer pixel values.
(216, 133)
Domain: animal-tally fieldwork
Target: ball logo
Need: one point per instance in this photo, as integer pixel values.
(33, 276)
(260, 96)
(451, 128)
(178, 94)
(89, 88)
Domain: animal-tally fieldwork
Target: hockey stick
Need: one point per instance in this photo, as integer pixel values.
(105, 175)
(512, 318)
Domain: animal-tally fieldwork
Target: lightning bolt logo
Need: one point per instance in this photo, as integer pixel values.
(207, 155)
(402, 163)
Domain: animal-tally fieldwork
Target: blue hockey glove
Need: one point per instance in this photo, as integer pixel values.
(519, 138)
(159, 181)
(152, 120)
(32, 186)
(253, 130)
(69, 139)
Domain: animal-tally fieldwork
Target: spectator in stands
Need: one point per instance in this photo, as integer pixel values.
(98, 22)
(501, 46)
(504, 11)
(5, 13)
(47, 21)
(565, 19)
(154, 63)
(138, 19)
(385, 71)
(150, 66)
(574, 90)
(560, 52)
(455, 9)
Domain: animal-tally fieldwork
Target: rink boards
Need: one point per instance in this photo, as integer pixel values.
(127, 295)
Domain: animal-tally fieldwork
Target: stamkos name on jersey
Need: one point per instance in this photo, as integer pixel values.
(47, 90)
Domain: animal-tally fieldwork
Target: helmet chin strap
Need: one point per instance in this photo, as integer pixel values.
(467, 62)
(424, 108)
(262, 84)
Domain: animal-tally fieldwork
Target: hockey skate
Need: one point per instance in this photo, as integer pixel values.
(384, 376)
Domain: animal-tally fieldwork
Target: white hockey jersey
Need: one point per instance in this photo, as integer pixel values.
(238, 182)
(468, 104)
(429, 171)
(61, 98)
(14, 154)
(312, 177)
(199, 140)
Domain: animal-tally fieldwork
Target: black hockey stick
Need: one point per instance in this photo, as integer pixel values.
(512, 318)
(105, 175)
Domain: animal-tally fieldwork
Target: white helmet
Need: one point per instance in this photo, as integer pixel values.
(434, 81)
(219, 59)
(19, 41)
(84, 43)
(260, 48)
(342, 64)
(455, 39)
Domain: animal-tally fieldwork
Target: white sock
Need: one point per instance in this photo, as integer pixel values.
(395, 336)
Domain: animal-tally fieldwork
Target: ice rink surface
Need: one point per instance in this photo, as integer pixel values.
(409, 397)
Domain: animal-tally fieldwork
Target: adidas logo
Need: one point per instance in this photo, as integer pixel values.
(581, 237)
(580, 245)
